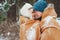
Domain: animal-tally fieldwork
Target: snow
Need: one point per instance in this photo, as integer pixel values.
(9, 31)
(31, 34)
(58, 20)
(47, 20)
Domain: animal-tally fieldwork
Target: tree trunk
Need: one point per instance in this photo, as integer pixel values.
(11, 14)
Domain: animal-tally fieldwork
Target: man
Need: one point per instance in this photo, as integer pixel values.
(50, 27)
(38, 9)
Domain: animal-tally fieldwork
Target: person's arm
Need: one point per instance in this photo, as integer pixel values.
(23, 19)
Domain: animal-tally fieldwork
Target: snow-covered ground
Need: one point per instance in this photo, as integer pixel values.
(9, 31)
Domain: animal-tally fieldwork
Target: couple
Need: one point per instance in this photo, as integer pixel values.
(33, 12)
(39, 29)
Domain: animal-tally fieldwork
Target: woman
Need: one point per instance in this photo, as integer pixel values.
(30, 30)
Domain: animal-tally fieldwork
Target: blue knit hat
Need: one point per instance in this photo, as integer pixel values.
(39, 0)
(40, 5)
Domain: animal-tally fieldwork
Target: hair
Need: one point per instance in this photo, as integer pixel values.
(38, 19)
